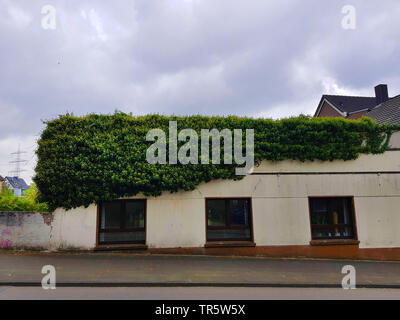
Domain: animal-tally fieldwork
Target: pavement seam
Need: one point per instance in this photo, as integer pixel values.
(200, 284)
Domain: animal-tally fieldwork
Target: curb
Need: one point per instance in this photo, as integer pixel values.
(200, 284)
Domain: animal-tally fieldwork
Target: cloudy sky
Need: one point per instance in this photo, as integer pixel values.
(245, 57)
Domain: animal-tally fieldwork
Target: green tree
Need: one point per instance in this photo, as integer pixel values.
(5, 191)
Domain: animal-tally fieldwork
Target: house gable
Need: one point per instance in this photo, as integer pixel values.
(351, 107)
(327, 110)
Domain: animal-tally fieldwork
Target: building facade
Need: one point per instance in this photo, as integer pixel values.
(338, 209)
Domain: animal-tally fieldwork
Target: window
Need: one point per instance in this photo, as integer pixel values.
(228, 220)
(332, 218)
(122, 221)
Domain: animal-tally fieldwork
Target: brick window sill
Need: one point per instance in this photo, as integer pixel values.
(334, 242)
(104, 247)
(224, 244)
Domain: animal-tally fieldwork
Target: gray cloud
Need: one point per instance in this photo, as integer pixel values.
(255, 58)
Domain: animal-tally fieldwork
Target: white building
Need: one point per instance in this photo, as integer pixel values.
(338, 209)
(17, 185)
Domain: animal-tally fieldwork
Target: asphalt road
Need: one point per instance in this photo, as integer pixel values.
(196, 293)
(125, 269)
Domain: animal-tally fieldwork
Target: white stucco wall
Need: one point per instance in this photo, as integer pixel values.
(388, 161)
(175, 222)
(395, 140)
(272, 227)
(378, 221)
(73, 229)
(22, 229)
(280, 209)
(280, 202)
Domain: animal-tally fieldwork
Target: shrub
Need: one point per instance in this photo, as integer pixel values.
(8, 202)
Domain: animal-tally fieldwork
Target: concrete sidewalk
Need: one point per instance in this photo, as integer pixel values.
(127, 269)
(195, 293)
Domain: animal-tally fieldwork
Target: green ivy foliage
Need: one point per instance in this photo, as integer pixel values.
(83, 160)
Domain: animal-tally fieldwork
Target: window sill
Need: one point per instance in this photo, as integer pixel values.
(334, 242)
(129, 246)
(221, 244)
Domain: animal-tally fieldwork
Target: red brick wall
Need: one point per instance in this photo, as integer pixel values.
(328, 111)
(357, 115)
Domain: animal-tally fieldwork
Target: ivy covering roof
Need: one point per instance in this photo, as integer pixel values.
(84, 160)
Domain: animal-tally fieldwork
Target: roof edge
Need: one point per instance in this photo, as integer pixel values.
(323, 99)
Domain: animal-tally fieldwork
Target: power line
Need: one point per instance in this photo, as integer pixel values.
(18, 161)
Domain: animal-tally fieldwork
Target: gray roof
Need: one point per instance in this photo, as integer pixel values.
(1, 178)
(350, 104)
(18, 183)
(387, 112)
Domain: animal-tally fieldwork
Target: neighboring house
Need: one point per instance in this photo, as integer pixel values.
(18, 185)
(380, 108)
(1, 182)
(387, 112)
(350, 107)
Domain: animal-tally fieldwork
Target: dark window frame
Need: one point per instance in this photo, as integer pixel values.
(228, 220)
(123, 214)
(332, 226)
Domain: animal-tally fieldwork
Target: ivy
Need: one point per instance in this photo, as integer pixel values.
(82, 160)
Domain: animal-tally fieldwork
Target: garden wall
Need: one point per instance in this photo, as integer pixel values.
(75, 229)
